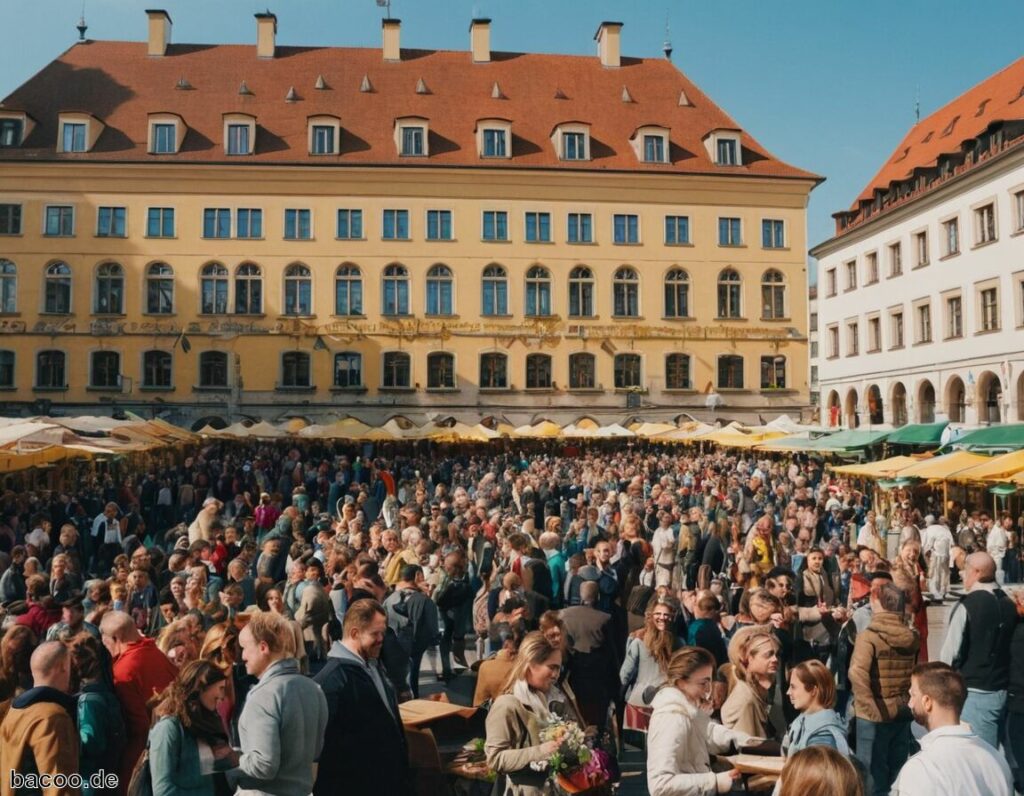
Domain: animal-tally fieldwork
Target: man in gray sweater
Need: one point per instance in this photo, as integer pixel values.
(281, 728)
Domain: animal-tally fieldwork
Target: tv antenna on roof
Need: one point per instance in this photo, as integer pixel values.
(667, 47)
(82, 27)
(385, 4)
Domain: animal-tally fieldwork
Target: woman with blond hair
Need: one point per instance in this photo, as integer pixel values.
(648, 653)
(682, 738)
(754, 655)
(178, 643)
(220, 647)
(909, 576)
(820, 771)
(530, 698)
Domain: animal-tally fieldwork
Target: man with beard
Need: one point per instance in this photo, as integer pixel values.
(368, 756)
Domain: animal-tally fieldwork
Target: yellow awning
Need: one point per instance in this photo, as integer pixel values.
(884, 468)
(996, 468)
(941, 468)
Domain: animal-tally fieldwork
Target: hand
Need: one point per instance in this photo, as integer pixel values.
(550, 748)
(724, 781)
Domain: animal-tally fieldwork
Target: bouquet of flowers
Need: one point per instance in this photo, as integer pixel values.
(577, 767)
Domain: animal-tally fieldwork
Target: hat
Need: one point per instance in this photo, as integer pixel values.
(589, 572)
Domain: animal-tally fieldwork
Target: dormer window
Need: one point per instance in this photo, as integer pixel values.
(166, 133)
(12, 130)
(239, 134)
(78, 132)
(411, 136)
(724, 148)
(650, 144)
(324, 135)
(572, 141)
(494, 138)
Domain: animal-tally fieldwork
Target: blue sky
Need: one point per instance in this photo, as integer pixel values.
(825, 85)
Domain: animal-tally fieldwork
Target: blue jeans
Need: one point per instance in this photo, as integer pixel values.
(985, 711)
(883, 748)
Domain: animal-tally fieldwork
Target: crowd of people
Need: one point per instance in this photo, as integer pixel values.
(251, 621)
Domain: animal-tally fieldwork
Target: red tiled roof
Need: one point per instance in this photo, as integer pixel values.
(999, 98)
(120, 84)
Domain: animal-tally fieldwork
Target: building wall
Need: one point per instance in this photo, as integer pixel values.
(258, 342)
(983, 362)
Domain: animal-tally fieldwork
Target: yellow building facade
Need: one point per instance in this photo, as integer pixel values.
(325, 270)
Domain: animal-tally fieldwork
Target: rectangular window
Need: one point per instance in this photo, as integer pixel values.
(729, 232)
(654, 149)
(10, 132)
(6, 368)
(580, 228)
(238, 139)
(852, 339)
(773, 234)
(677, 230)
(814, 322)
(439, 225)
(348, 370)
(160, 222)
(495, 225)
(60, 221)
(412, 141)
(985, 224)
(951, 235)
(851, 275)
(298, 224)
(871, 268)
(896, 328)
(10, 219)
(323, 139)
(350, 224)
(574, 146)
(165, 139)
(249, 223)
(895, 260)
(831, 281)
(396, 225)
(921, 249)
(773, 373)
(1018, 211)
(874, 334)
(726, 152)
(494, 144)
(74, 137)
(924, 323)
(954, 317)
(626, 228)
(730, 372)
(833, 341)
(110, 222)
(216, 222)
(538, 227)
(989, 299)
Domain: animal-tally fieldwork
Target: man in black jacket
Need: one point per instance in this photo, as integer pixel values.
(364, 746)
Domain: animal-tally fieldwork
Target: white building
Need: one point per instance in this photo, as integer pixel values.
(921, 291)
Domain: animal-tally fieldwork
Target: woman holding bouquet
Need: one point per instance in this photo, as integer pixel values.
(682, 738)
(530, 702)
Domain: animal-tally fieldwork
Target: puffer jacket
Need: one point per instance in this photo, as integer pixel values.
(880, 667)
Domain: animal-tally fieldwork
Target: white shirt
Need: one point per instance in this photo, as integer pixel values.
(663, 546)
(111, 529)
(39, 538)
(996, 543)
(937, 540)
(953, 761)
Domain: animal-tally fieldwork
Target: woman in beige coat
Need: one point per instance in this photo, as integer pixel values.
(754, 654)
(529, 699)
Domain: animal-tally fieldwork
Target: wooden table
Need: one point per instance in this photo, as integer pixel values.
(419, 712)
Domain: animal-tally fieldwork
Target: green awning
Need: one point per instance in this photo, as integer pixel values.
(1001, 437)
(849, 440)
(1004, 489)
(918, 435)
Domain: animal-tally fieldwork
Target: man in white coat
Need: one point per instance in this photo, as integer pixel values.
(936, 544)
(998, 539)
(663, 545)
(953, 761)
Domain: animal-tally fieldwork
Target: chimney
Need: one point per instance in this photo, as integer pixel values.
(480, 40)
(609, 41)
(266, 33)
(392, 45)
(159, 31)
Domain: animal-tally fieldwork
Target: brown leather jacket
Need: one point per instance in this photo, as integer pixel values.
(883, 658)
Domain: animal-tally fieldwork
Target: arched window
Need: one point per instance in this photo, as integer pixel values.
(157, 370)
(773, 296)
(295, 370)
(213, 289)
(441, 371)
(538, 372)
(298, 290)
(396, 290)
(729, 294)
(248, 290)
(109, 289)
(57, 289)
(105, 370)
(8, 286)
(677, 372)
(6, 368)
(627, 371)
(396, 371)
(159, 289)
(581, 292)
(538, 291)
(626, 293)
(677, 294)
(51, 370)
(495, 291)
(773, 373)
(348, 290)
(439, 290)
(213, 369)
(493, 371)
(730, 372)
(582, 371)
(348, 370)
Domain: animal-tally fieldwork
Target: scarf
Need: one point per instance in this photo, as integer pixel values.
(534, 700)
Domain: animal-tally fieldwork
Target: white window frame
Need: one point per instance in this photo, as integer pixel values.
(558, 140)
(409, 122)
(502, 125)
(323, 120)
(171, 119)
